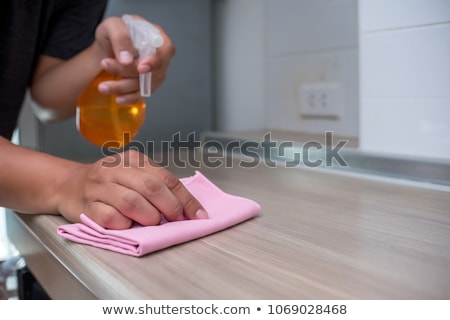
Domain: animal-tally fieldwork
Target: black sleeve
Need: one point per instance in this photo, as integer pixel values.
(73, 27)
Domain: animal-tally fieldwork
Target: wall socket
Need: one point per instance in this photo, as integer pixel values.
(320, 99)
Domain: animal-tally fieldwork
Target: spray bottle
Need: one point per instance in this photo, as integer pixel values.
(99, 118)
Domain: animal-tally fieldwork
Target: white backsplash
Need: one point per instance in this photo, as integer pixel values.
(405, 77)
(391, 59)
(267, 49)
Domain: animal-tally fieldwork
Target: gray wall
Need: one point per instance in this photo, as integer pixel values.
(184, 103)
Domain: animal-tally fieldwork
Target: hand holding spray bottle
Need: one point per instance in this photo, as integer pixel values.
(99, 118)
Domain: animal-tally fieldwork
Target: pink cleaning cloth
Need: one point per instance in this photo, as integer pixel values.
(225, 210)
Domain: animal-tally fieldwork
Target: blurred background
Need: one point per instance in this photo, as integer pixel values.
(376, 71)
(379, 69)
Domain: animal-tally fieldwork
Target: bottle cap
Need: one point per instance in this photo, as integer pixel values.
(146, 39)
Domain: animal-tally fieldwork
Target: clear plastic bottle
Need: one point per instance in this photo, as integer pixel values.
(104, 122)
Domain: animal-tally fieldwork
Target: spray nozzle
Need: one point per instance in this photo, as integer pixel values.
(146, 38)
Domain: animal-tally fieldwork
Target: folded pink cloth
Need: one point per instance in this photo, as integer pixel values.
(225, 210)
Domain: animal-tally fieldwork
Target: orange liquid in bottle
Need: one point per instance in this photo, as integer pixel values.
(104, 122)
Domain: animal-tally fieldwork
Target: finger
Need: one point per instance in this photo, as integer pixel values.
(119, 87)
(162, 189)
(158, 77)
(128, 99)
(107, 216)
(192, 209)
(136, 172)
(156, 193)
(157, 60)
(150, 63)
(121, 42)
(113, 67)
(162, 198)
(162, 56)
(131, 204)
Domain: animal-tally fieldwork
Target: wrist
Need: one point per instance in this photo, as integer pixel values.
(65, 189)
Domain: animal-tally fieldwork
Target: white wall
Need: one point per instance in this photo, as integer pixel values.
(392, 58)
(405, 77)
(268, 48)
(240, 64)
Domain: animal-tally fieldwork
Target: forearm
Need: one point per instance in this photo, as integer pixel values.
(57, 84)
(31, 181)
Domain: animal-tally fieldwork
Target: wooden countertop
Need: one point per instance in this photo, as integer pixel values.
(320, 235)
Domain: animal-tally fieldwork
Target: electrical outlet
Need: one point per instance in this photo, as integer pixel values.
(321, 99)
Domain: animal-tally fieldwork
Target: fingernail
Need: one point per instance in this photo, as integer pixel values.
(103, 88)
(144, 68)
(125, 57)
(121, 100)
(201, 214)
(104, 64)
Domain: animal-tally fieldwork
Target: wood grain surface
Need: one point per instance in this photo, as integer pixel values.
(320, 235)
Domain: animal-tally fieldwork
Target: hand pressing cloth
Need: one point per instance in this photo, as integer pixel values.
(225, 210)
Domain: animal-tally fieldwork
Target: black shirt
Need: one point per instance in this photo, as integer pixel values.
(30, 28)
